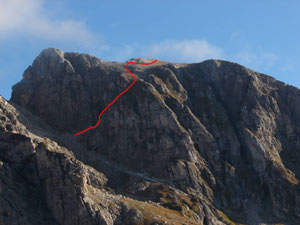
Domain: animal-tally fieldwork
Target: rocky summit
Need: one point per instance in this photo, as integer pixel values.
(208, 143)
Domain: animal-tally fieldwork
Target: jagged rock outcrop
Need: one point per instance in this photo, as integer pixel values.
(204, 143)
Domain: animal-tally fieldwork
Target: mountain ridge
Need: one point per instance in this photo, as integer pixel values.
(208, 143)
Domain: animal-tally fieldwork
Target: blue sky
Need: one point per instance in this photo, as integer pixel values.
(260, 34)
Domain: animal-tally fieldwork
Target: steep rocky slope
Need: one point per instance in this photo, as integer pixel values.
(204, 143)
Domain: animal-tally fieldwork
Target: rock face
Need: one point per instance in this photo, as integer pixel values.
(205, 143)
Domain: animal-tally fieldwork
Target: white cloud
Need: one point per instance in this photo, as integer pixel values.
(184, 51)
(176, 51)
(122, 53)
(288, 68)
(28, 17)
(256, 59)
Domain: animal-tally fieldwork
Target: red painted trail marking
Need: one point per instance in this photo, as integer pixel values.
(134, 80)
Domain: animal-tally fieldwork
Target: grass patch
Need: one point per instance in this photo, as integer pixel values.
(152, 212)
(226, 219)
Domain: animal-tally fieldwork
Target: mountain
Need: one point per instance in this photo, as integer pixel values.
(204, 143)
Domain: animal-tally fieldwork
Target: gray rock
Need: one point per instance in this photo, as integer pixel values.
(212, 142)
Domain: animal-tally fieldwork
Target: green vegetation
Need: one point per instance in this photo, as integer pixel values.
(152, 212)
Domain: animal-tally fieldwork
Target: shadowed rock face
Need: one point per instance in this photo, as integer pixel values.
(204, 143)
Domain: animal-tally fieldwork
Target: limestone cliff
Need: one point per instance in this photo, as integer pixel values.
(204, 143)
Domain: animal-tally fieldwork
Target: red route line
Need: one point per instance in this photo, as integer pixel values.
(134, 80)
